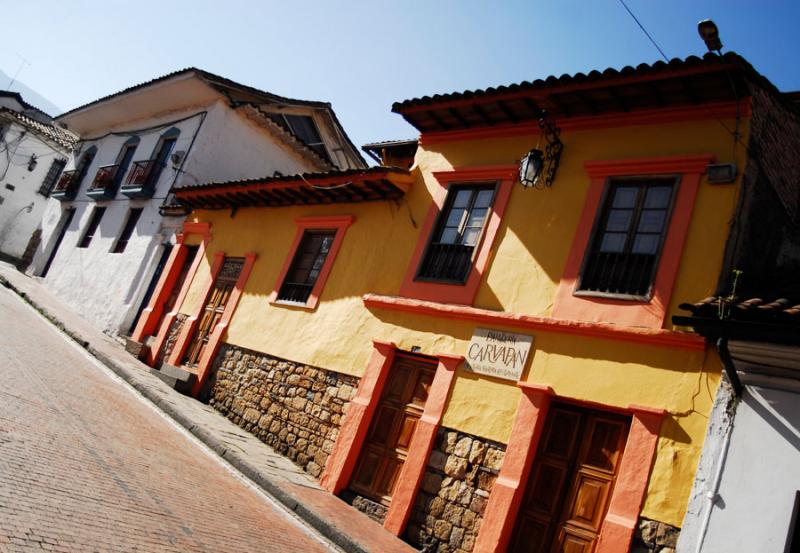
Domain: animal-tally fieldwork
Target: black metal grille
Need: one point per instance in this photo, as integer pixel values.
(447, 262)
(295, 292)
(619, 273)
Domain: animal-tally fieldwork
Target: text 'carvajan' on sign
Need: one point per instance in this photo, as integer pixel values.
(498, 353)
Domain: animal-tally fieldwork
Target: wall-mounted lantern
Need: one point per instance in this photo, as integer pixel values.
(538, 168)
(32, 162)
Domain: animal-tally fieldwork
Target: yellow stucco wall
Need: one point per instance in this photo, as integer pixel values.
(530, 253)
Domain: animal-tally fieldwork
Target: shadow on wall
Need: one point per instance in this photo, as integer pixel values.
(781, 411)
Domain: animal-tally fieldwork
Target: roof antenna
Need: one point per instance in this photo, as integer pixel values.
(23, 63)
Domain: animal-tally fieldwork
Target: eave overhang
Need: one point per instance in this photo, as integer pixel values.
(679, 83)
(351, 186)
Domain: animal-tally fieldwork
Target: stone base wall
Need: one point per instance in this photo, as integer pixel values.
(296, 409)
(372, 509)
(652, 536)
(172, 337)
(455, 489)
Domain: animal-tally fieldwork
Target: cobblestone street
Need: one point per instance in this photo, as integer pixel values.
(87, 466)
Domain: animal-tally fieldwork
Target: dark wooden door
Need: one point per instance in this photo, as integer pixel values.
(393, 424)
(571, 481)
(213, 309)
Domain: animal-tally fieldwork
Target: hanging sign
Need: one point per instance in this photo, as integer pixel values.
(498, 353)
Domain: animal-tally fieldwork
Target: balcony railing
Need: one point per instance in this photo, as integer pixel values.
(104, 184)
(446, 262)
(142, 178)
(67, 186)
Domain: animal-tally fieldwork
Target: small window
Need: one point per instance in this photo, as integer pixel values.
(127, 230)
(304, 128)
(51, 177)
(628, 237)
(306, 265)
(94, 222)
(457, 234)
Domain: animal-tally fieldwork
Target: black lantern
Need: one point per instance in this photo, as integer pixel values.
(538, 168)
(530, 168)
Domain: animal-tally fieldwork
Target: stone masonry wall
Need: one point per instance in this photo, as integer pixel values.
(172, 337)
(455, 489)
(654, 537)
(296, 409)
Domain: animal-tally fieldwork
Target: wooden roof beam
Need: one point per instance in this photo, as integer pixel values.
(507, 111)
(482, 114)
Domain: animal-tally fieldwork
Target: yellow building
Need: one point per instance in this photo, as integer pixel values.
(478, 364)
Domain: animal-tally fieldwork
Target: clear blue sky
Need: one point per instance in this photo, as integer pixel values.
(363, 55)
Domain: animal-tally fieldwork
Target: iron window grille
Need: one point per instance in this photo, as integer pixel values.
(127, 230)
(91, 229)
(51, 177)
(627, 239)
(306, 265)
(449, 255)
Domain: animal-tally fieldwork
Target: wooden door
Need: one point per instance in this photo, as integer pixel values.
(214, 308)
(571, 481)
(393, 424)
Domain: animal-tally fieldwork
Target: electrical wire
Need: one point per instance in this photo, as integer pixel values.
(663, 55)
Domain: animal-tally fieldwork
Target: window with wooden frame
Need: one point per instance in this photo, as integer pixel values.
(307, 265)
(127, 230)
(91, 229)
(311, 256)
(628, 238)
(304, 128)
(51, 177)
(450, 252)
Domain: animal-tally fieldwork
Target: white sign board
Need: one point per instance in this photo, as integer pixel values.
(498, 353)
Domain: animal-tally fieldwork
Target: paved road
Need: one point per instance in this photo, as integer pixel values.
(87, 466)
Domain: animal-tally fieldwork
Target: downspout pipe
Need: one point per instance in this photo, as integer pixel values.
(727, 362)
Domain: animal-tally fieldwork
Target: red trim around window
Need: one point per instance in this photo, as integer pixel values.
(505, 176)
(631, 313)
(339, 224)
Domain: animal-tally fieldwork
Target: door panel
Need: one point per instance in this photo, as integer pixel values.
(392, 428)
(571, 481)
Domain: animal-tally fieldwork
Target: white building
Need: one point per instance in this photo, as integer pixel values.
(110, 228)
(32, 154)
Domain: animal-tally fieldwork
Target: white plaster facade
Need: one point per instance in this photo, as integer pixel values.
(746, 494)
(222, 136)
(27, 152)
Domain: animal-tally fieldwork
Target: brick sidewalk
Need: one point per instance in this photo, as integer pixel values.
(276, 475)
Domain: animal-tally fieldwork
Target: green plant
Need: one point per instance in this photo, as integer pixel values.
(724, 303)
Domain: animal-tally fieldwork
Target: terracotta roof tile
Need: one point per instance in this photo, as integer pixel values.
(782, 310)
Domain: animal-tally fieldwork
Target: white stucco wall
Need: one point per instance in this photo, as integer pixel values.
(22, 206)
(107, 288)
(760, 478)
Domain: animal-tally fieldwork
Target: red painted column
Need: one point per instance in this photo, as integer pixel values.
(204, 364)
(634, 474)
(353, 431)
(151, 313)
(504, 501)
(191, 323)
(410, 477)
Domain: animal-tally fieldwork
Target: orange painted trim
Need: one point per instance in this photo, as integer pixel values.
(190, 326)
(214, 340)
(166, 282)
(634, 474)
(353, 430)
(504, 501)
(169, 318)
(632, 313)
(338, 223)
(609, 331)
(410, 477)
(505, 176)
(717, 110)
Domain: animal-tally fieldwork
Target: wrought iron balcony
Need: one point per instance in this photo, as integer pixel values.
(104, 185)
(67, 186)
(446, 263)
(142, 179)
